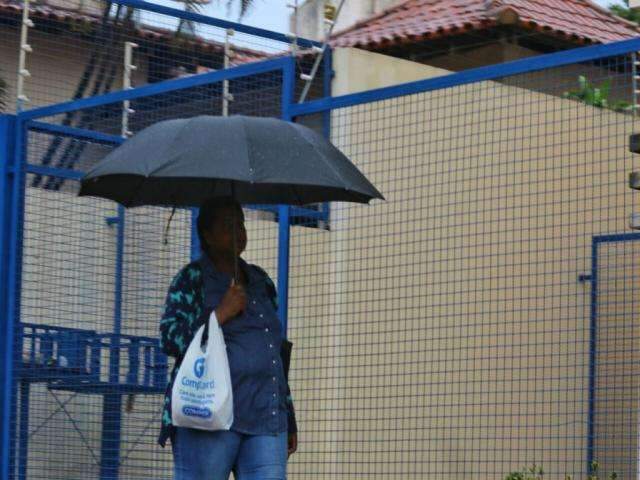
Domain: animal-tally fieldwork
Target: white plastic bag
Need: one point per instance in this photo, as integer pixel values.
(201, 396)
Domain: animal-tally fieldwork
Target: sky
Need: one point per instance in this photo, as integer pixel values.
(270, 14)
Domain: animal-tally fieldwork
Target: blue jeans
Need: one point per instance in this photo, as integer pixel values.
(202, 455)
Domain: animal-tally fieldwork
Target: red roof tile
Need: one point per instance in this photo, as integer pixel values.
(413, 20)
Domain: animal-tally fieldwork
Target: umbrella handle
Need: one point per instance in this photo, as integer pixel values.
(166, 229)
(235, 243)
(235, 252)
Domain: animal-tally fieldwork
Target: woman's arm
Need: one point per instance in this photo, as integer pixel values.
(183, 312)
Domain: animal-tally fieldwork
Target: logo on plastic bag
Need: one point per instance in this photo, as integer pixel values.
(191, 411)
(198, 367)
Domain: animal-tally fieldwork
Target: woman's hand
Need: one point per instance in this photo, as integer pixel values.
(233, 302)
(292, 444)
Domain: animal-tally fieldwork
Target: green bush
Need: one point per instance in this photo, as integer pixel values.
(532, 473)
(536, 473)
(596, 96)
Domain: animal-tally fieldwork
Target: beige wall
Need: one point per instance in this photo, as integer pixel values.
(443, 333)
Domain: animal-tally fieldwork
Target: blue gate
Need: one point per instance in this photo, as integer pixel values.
(441, 334)
(79, 275)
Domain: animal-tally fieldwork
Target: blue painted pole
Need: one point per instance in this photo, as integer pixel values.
(7, 157)
(112, 402)
(14, 282)
(327, 79)
(284, 231)
(195, 240)
(592, 354)
(284, 217)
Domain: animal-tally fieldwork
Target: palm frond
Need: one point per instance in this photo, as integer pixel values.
(245, 5)
(189, 6)
(3, 95)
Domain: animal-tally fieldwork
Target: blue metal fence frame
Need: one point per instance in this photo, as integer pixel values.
(16, 173)
(593, 331)
(474, 75)
(494, 72)
(13, 170)
(7, 157)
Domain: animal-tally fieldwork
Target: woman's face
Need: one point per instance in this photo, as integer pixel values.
(219, 236)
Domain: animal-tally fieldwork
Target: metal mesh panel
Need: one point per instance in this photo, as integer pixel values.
(90, 375)
(78, 49)
(615, 355)
(444, 334)
(462, 328)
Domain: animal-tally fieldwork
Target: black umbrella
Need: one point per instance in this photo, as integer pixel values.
(183, 162)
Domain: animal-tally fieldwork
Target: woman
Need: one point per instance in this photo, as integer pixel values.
(264, 431)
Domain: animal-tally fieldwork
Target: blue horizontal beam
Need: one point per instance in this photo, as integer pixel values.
(491, 72)
(616, 237)
(72, 132)
(156, 88)
(54, 172)
(293, 211)
(215, 22)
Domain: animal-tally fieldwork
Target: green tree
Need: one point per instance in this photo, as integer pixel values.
(625, 12)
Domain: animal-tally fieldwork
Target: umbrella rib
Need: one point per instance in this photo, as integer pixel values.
(324, 159)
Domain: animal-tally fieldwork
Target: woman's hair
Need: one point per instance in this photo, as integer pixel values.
(207, 216)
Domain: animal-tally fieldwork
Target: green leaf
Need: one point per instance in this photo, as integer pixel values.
(605, 88)
(582, 81)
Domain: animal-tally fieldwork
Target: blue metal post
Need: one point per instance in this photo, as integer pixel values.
(195, 240)
(284, 230)
(592, 354)
(112, 402)
(16, 171)
(284, 218)
(327, 79)
(7, 156)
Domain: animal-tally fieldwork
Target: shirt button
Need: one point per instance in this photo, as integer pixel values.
(271, 345)
(254, 302)
(274, 395)
(273, 413)
(261, 315)
(274, 379)
(266, 329)
(274, 362)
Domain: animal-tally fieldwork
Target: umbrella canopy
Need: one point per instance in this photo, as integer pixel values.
(183, 162)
